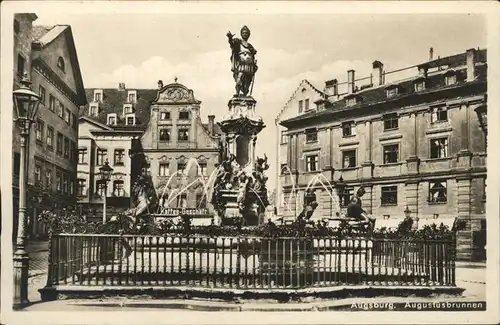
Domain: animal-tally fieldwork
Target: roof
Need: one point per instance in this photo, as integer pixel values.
(301, 84)
(112, 102)
(375, 95)
(43, 35)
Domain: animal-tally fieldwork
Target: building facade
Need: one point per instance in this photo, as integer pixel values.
(108, 124)
(48, 55)
(419, 143)
(156, 133)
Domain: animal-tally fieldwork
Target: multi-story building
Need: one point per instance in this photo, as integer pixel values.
(48, 55)
(112, 118)
(418, 143)
(154, 132)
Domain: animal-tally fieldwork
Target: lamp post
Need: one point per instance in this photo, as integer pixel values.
(26, 105)
(340, 186)
(104, 176)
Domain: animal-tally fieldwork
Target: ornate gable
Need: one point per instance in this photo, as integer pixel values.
(175, 94)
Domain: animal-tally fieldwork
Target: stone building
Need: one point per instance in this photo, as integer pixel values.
(416, 143)
(48, 55)
(154, 132)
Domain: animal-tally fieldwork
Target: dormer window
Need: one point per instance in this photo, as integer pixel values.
(351, 100)
(127, 109)
(392, 91)
(132, 96)
(112, 119)
(94, 109)
(98, 95)
(450, 78)
(419, 84)
(130, 119)
(61, 65)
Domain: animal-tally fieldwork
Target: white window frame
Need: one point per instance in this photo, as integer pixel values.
(132, 92)
(94, 109)
(112, 115)
(128, 109)
(130, 115)
(350, 101)
(98, 92)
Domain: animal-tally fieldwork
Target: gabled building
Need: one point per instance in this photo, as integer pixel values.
(48, 54)
(416, 143)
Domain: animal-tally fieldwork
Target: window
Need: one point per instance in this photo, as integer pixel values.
(97, 95)
(183, 115)
(61, 64)
(312, 163)
(112, 119)
(50, 137)
(391, 153)
(182, 201)
(58, 181)
(48, 178)
(82, 156)
(41, 92)
(52, 103)
(146, 169)
(348, 129)
(67, 116)
(60, 109)
(437, 192)
(101, 156)
(201, 201)
(301, 106)
(391, 121)
(127, 109)
(130, 119)
(439, 148)
(284, 137)
(39, 131)
(101, 188)
(311, 135)
(181, 168)
(74, 122)
(66, 147)
(306, 104)
(391, 92)
(38, 175)
(118, 189)
(132, 96)
(389, 195)
(419, 86)
(345, 197)
(119, 155)
(20, 65)
(349, 159)
(65, 187)
(81, 187)
(164, 115)
(59, 143)
(202, 169)
(164, 171)
(183, 135)
(450, 79)
(350, 101)
(439, 114)
(164, 135)
(94, 110)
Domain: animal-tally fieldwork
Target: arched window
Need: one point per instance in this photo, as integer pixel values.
(61, 65)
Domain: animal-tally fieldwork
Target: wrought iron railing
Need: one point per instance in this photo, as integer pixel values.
(249, 262)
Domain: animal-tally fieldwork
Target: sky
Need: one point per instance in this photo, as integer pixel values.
(140, 49)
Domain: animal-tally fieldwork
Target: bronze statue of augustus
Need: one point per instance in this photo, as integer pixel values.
(243, 63)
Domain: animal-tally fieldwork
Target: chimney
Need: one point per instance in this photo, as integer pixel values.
(211, 124)
(471, 64)
(332, 87)
(121, 86)
(378, 73)
(350, 81)
(431, 54)
(160, 84)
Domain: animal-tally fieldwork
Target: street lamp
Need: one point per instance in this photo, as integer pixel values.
(104, 176)
(26, 105)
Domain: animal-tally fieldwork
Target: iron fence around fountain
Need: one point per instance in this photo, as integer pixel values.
(247, 262)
